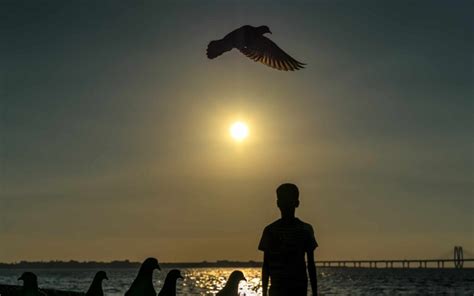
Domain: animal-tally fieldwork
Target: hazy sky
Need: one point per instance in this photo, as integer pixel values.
(114, 129)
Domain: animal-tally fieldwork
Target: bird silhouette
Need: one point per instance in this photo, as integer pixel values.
(30, 285)
(169, 287)
(143, 283)
(96, 286)
(250, 41)
(232, 286)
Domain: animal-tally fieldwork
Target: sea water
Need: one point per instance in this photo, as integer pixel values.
(331, 281)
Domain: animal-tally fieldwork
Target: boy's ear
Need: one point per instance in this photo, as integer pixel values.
(297, 203)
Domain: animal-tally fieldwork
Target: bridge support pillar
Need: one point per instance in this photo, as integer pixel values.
(458, 257)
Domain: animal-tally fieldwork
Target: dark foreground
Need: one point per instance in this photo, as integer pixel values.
(207, 281)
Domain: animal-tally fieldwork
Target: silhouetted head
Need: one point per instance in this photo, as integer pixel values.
(29, 280)
(149, 265)
(174, 274)
(264, 29)
(287, 196)
(236, 276)
(100, 276)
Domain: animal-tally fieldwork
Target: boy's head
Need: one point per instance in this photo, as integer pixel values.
(287, 196)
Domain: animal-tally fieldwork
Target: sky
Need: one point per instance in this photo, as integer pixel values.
(114, 139)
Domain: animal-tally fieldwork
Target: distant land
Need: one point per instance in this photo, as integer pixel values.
(72, 264)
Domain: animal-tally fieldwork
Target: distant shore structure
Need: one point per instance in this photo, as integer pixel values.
(457, 262)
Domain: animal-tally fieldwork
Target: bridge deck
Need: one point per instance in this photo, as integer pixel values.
(397, 263)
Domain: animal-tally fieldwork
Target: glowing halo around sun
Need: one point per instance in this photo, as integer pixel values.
(239, 131)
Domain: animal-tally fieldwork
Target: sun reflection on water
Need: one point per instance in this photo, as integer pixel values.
(213, 280)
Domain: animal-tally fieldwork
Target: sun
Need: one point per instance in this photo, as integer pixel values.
(239, 131)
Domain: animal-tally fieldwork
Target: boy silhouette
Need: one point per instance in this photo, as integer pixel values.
(285, 243)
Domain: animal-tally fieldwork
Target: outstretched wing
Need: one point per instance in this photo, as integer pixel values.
(267, 52)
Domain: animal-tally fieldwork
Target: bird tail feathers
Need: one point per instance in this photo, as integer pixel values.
(217, 47)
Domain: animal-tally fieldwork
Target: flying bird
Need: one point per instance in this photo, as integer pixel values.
(250, 41)
(143, 283)
(30, 285)
(232, 286)
(169, 287)
(96, 287)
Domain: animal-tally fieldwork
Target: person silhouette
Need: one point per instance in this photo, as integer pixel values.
(285, 243)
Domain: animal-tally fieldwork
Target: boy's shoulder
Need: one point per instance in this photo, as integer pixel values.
(273, 224)
(307, 226)
(283, 234)
(297, 223)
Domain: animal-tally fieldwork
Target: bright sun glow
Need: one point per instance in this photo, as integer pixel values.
(239, 131)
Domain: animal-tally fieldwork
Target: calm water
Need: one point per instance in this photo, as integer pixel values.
(207, 281)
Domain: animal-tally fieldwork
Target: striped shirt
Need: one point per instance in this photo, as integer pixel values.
(285, 244)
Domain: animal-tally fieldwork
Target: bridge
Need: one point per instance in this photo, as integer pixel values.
(457, 261)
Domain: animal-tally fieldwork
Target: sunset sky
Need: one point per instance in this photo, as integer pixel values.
(114, 129)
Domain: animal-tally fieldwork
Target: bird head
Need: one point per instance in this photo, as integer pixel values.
(237, 276)
(149, 265)
(29, 279)
(175, 274)
(264, 29)
(101, 275)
